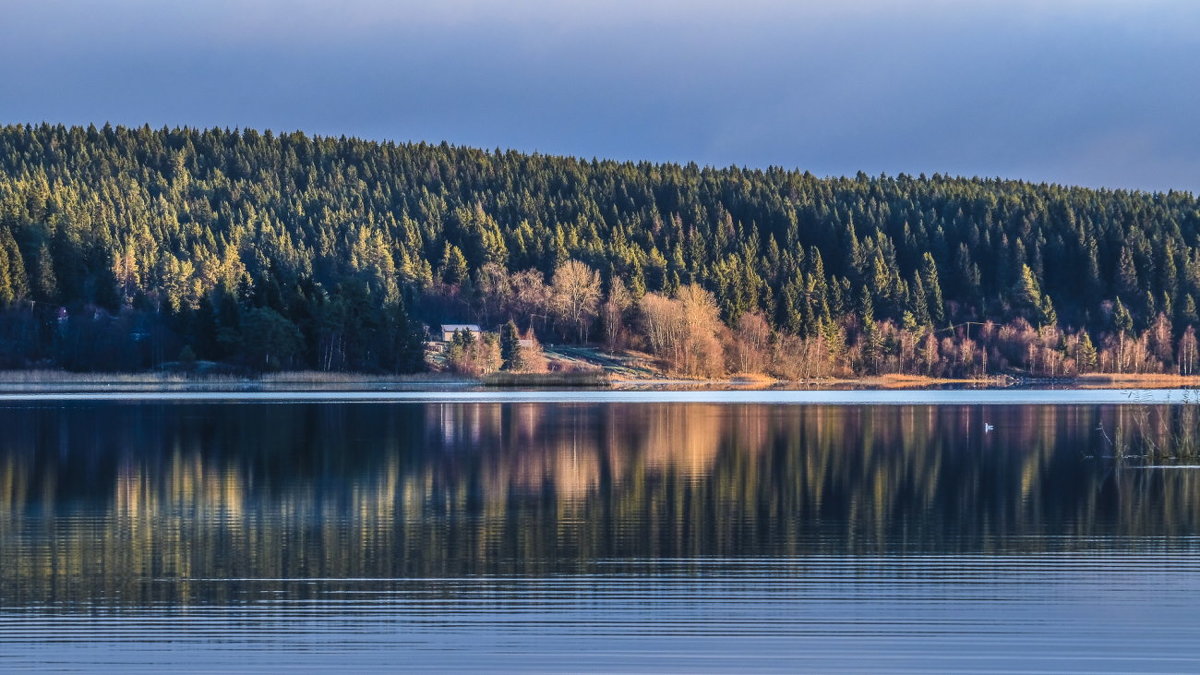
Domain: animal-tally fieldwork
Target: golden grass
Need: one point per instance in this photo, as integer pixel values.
(904, 381)
(755, 378)
(1139, 380)
(760, 381)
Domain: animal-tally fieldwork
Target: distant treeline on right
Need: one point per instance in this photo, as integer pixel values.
(130, 248)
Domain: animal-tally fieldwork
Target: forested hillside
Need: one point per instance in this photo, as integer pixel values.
(127, 248)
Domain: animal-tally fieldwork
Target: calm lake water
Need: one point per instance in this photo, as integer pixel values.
(594, 534)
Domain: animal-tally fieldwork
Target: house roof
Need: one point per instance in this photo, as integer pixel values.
(450, 327)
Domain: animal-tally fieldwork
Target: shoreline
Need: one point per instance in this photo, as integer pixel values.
(55, 381)
(815, 397)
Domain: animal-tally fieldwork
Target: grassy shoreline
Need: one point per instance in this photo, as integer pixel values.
(18, 380)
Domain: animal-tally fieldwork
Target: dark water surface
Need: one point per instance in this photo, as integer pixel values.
(592, 536)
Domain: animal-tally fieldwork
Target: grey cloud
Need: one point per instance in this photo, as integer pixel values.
(1095, 93)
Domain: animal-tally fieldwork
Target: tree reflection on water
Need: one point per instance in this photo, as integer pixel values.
(133, 503)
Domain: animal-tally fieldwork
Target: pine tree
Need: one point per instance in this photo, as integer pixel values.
(14, 283)
(637, 282)
(410, 342)
(462, 338)
(871, 340)
(1127, 276)
(1087, 354)
(46, 286)
(1188, 315)
(1029, 296)
(6, 287)
(933, 289)
(1122, 320)
(229, 324)
(270, 340)
(510, 347)
(918, 302)
(454, 265)
(203, 329)
(866, 307)
(1047, 316)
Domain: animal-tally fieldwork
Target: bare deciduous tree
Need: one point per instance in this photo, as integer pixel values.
(662, 323)
(530, 300)
(533, 359)
(613, 316)
(683, 331)
(1188, 355)
(575, 291)
(751, 344)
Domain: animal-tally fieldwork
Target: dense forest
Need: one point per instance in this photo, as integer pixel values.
(131, 248)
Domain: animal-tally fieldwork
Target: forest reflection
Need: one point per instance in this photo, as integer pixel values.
(126, 502)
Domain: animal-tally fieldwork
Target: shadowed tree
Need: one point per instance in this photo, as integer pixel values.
(510, 347)
(269, 340)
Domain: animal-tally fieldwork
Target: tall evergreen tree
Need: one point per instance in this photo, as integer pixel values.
(933, 289)
(510, 347)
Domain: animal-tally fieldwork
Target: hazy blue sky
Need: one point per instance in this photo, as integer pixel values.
(1098, 92)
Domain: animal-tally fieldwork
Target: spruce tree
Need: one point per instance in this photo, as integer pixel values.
(1127, 277)
(933, 289)
(871, 341)
(6, 290)
(14, 281)
(918, 301)
(1122, 320)
(1087, 354)
(454, 265)
(46, 286)
(510, 347)
(1188, 314)
(1047, 316)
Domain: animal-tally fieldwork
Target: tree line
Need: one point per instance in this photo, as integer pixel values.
(128, 248)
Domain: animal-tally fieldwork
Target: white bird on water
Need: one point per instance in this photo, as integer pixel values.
(987, 427)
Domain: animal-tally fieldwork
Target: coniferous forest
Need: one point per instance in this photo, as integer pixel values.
(131, 248)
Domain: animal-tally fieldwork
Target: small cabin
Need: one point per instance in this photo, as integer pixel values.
(449, 329)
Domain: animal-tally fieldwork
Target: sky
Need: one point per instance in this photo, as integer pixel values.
(1102, 93)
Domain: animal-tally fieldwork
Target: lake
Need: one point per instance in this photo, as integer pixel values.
(600, 531)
